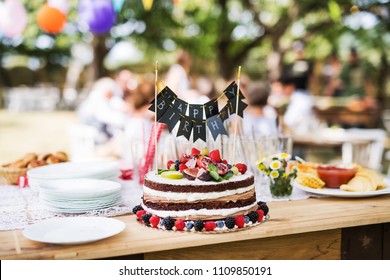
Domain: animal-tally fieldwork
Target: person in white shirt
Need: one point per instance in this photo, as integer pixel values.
(104, 109)
(177, 77)
(259, 117)
(299, 113)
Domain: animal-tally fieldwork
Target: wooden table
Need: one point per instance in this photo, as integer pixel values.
(316, 228)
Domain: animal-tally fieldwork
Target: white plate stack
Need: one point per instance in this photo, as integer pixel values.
(79, 195)
(104, 170)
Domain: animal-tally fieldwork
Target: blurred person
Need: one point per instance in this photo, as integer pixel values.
(260, 118)
(103, 109)
(177, 77)
(278, 99)
(139, 123)
(299, 112)
(354, 77)
(127, 82)
(355, 81)
(331, 72)
(301, 70)
(140, 99)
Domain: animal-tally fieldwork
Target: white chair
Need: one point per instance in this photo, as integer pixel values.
(367, 152)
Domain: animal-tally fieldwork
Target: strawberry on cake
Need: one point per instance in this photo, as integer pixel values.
(200, 192)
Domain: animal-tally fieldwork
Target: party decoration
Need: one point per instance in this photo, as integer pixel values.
(51, 20)
(154, 137)
(193, 119)
(61, 5)
(99, 15)
(118, 4)
(147, 4)
(13, 18)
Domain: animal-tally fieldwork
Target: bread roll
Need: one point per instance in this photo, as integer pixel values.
(52, 160)
(63, 157)
(44, 156)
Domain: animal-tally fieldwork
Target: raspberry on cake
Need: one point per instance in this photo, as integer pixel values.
(210, 194)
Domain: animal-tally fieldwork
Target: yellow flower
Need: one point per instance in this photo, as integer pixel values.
(261, 161)
(275, 165)
(261, 166)
(284, 156)
(274, 174)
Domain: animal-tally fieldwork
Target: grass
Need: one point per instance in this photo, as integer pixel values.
(39, 132)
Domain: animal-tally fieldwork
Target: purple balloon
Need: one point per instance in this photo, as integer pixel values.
(99, 15)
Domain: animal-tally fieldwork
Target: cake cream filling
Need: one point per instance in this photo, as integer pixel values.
(201, 212)
(191, 197)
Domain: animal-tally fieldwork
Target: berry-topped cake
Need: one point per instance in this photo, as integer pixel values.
(200, 192)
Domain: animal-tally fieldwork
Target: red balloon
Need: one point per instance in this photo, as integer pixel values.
(51, 19)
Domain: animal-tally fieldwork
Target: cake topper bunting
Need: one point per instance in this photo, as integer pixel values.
(194, 118)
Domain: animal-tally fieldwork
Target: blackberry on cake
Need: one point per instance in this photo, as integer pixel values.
(168, 223)
(145, 218)
(263, 206)
(230, 222)
(137, 208)
(198, 225)
(253, 216)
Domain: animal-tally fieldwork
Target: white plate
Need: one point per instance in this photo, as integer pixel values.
(35, 184)
(341, 193)
(68, 170)
(80, 188)
(73, 230)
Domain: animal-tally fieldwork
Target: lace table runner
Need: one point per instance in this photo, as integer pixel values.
(20, 207)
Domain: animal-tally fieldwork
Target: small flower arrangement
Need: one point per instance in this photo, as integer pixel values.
(277, 168)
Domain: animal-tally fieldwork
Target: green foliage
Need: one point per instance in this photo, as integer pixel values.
(220, 34)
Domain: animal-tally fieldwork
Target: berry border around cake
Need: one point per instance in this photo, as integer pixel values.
(229, 224)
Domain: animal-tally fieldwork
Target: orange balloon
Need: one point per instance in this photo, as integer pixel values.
(51, 19)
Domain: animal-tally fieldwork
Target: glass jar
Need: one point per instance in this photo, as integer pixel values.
(281, 187)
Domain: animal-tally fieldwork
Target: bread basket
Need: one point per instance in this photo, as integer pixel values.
(12, 174)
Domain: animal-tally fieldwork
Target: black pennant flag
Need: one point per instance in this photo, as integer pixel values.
(180, 105)
(199, 129)
(224, 114)
(169, 94)
(231, 91)
(241, 106)
(152, 104)
(211, 108)
(185, 127)
(165, 92)
(196, 112)
(162, 106)
(170, 117)
(216, 126)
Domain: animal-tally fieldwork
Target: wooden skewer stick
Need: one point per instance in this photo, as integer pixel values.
(155, 115)
(236, 123)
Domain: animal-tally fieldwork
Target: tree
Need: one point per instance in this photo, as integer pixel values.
(221, 34)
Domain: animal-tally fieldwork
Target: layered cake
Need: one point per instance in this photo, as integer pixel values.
(200, 192)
